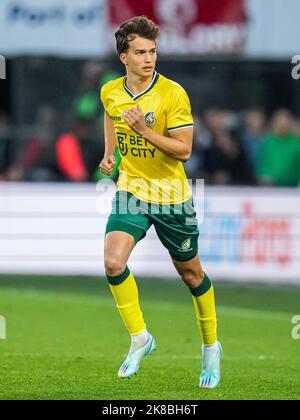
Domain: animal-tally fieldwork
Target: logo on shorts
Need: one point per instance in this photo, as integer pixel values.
(186, 244)
(149, 118)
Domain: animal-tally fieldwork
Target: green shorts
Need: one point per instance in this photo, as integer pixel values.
(176, 224)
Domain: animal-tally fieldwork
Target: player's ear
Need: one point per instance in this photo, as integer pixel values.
(123, 58)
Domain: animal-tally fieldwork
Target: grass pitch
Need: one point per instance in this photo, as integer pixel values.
(65, 340)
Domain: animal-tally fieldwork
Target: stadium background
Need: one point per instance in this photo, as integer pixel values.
(235, 59)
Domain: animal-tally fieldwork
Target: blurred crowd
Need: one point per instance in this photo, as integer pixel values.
(230, 148)
(246, 148)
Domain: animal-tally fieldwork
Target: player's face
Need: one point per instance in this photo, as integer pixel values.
(141, 57)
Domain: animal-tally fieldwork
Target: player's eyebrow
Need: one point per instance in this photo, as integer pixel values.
(152, 49)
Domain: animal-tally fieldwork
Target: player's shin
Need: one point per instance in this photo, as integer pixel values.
(204, 303)
(125, 293)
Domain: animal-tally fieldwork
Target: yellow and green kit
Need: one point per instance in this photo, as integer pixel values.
(153, 190)
(148, 177)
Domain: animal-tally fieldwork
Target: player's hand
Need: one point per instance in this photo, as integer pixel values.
(107, 164)
(135, 118)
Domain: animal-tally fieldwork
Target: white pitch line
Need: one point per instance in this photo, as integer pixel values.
(98, 300)
(195, 357)
(254, 313)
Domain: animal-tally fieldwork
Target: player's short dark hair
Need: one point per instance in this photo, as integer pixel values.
(137, 26)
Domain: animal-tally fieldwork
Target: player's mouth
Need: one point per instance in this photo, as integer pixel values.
(148, 68)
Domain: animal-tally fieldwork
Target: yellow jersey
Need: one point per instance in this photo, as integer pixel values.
(145, 171)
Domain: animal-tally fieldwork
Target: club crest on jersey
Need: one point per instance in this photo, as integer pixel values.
(186, 244)
(149, 118)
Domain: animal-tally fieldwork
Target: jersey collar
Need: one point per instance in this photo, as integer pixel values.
(135, 97)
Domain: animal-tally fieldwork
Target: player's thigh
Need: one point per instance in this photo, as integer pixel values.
(126, 226)
(118, 246)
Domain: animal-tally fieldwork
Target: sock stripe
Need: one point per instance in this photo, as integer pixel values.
(116, 280)
(203, 288)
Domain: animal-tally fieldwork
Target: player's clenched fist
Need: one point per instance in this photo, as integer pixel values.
(135, 119)
(107, 164)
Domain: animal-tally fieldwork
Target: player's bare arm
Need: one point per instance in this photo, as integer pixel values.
(177, 146)
(108, 162)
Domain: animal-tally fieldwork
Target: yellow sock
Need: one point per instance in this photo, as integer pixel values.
(204, 303)
(125, 293)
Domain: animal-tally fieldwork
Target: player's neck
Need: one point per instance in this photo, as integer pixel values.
(137, 84)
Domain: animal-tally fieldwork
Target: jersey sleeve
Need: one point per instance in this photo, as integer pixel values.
(179, 113)
(103, 97)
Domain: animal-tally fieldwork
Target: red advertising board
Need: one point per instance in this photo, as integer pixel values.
(189, 26)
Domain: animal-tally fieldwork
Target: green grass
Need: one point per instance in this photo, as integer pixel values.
(65, 341)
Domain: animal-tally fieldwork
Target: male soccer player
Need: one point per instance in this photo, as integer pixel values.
(148, 117)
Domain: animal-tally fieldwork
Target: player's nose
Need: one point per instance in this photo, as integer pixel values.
(148, 58)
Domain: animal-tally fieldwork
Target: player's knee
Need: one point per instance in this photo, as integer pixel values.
(114, 266)
(193, 277)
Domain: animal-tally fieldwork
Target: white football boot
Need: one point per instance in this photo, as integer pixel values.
(211, 366)
(132, 362)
